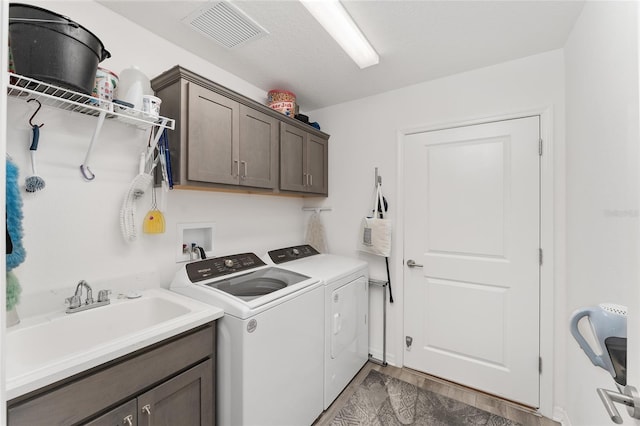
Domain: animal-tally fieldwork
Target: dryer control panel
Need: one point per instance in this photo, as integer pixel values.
(292, 253)
(220, 266)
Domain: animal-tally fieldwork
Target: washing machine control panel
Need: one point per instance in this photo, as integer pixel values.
(292, 253)
(220, 266)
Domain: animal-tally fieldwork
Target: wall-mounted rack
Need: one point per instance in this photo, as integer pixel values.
(317, 209)
(384, 285)
(57, 97)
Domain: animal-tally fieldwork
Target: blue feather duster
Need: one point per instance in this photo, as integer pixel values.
(14, 217)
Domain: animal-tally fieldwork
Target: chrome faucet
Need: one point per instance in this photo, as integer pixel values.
(86, 285)
(75, 301)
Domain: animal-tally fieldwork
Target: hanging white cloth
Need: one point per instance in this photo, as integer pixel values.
(316, 236)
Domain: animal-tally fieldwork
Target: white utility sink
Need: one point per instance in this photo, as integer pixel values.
(43, 350)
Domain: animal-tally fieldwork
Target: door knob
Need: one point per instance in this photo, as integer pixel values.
(412, 264)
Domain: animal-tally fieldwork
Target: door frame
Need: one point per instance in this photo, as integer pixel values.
(547, 240)
(4, 81)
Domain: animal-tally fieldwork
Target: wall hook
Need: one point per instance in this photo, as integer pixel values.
(34, 114)
(317, 209)
(378, 178)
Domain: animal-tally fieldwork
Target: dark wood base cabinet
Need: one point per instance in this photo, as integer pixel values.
(169, 383)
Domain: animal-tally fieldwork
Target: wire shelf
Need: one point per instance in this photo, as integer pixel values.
(68, 100)
(47, 94)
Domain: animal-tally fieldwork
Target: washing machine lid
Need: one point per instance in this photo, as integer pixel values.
(253, 285)
(304, 259)
(242, 285)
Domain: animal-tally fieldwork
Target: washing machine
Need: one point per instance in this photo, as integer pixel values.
(270, 340)
(346, 305)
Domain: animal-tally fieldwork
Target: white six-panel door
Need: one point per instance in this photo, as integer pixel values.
(472, 208)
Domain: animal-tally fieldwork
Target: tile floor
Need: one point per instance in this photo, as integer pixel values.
(510, 410)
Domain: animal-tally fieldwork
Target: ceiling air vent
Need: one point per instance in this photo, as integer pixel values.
(225, 23)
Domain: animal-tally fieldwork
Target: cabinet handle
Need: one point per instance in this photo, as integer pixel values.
(244, 163)
(237, 163)
(128, 420)
(147, 410)
(311, 179)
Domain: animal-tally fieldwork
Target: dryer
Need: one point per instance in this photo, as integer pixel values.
(346, 305)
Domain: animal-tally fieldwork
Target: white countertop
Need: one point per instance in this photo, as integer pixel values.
(44, 349)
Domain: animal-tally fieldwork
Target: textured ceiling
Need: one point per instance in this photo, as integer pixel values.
(416, 40)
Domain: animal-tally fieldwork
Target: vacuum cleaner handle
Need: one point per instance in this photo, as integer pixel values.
(575, 318)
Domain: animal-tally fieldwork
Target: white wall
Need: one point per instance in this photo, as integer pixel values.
(364, 135)
(601, 62)
(72, 227)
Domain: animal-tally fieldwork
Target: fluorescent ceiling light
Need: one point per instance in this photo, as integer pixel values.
(335, 19)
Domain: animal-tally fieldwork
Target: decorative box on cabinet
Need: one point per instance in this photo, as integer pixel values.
(169, 383)
(223, 140)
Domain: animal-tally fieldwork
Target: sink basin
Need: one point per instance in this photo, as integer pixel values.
(43, 350)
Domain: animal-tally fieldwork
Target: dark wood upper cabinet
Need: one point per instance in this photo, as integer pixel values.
(303, 161)
(224, 140)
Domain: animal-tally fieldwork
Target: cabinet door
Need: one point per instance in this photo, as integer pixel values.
(258, 149)
(316, 157)
(213, 136)
(185, 400)
(292, 172)
(124, 415)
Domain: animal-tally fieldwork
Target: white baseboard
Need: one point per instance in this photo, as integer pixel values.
(561, 416)
(377, 354)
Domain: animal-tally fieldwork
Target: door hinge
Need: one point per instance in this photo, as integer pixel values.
(539, 146)
(540, 256)
(540, 365)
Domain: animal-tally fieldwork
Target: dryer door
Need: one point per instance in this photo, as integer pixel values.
(348, 316)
